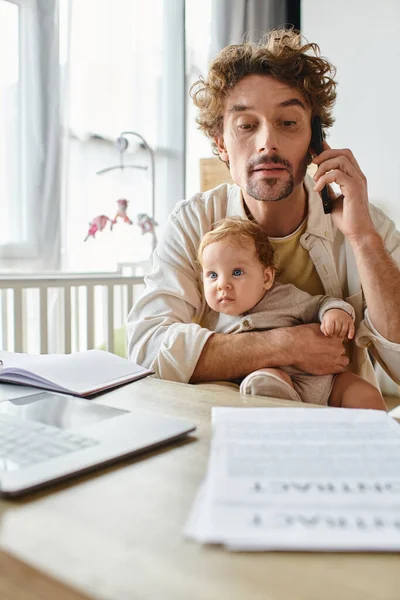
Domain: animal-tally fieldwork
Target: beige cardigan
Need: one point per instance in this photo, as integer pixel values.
(165, 326)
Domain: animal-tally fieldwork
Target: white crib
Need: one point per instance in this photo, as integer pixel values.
(65, 312)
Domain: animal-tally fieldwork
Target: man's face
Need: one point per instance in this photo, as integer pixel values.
(266, 137)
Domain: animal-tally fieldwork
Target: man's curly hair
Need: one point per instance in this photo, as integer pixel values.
(282, 54)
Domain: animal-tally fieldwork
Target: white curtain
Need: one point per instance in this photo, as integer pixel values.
(235, 21)
(36, 243)
(43, 52)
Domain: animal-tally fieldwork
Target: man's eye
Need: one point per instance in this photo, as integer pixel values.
(245, 126)
(237, 272)
(289, 123)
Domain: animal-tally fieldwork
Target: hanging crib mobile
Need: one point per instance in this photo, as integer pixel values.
(146, 222)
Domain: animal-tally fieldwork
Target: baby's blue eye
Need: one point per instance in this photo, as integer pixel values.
(213, 275)
(237, 272)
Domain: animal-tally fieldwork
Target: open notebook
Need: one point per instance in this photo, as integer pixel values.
(79, 373)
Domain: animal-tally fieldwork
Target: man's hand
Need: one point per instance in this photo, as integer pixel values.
(337, 322)
(315, 353)
(379, 272)
(350, 211)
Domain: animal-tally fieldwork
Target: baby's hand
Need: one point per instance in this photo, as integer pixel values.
(337, 322)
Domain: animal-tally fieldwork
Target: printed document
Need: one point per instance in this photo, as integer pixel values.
(301, 479)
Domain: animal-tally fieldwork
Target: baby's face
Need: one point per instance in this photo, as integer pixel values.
(234, 279)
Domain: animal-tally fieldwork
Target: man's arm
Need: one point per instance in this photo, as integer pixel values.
(379, 273)
(226, 357)
(380, 279)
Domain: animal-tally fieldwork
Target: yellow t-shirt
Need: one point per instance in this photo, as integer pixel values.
(294, 264)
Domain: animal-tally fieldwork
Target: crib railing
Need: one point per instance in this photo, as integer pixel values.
(64, 312)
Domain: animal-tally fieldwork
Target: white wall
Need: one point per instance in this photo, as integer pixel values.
(360, 37)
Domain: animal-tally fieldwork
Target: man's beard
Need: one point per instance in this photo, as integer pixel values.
(271, 189)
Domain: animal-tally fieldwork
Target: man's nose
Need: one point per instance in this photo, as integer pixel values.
(267, 139)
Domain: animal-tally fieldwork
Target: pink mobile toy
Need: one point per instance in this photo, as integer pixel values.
(98, 224)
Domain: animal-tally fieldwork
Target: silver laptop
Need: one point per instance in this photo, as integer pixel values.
(47, 437)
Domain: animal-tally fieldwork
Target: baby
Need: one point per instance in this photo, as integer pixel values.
(238, 276)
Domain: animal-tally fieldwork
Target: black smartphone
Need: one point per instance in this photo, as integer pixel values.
(316, 144)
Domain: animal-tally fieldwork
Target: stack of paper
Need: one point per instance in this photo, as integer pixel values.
(300, 479)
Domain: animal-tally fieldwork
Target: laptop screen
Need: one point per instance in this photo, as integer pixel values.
(64, 412)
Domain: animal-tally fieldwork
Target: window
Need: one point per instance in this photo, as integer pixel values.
(29, 128)
(11, 181)
(78, 74)
(115, 84)
(124, 72)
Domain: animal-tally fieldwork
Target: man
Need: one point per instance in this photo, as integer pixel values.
(257, 106)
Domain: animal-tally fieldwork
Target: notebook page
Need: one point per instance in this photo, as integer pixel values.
(80, 372)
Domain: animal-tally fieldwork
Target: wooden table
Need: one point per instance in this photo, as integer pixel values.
(117, 534)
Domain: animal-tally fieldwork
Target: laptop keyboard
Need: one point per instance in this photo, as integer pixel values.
(24, 443)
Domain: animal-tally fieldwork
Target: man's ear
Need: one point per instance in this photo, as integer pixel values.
(222, 151)
(269, 277)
